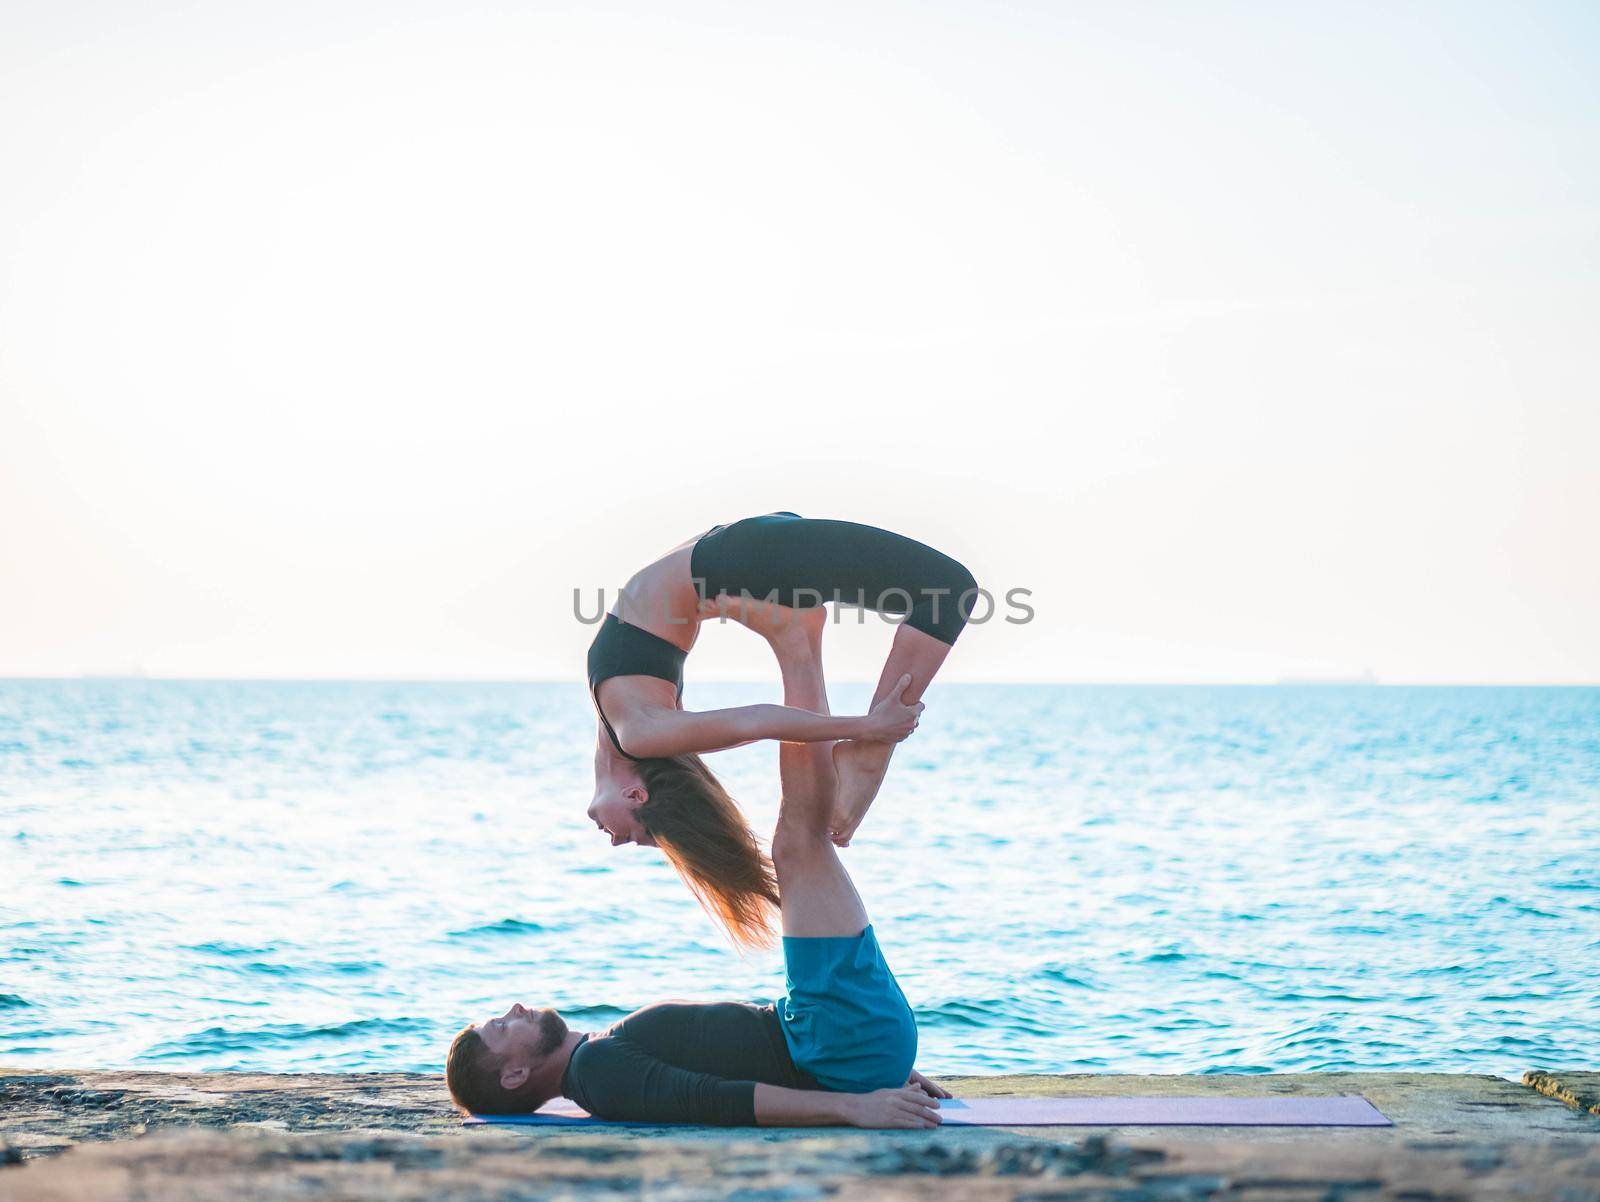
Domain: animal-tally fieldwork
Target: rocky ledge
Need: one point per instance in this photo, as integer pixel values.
(1581, 1091)
(103, 1136)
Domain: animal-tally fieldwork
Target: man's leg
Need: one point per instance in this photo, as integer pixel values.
(861, 765)
(818, 897)
(855, 1031)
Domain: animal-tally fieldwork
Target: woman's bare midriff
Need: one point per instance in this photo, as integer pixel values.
(661, 598)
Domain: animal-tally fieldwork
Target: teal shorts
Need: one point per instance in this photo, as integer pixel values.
(844, 1017)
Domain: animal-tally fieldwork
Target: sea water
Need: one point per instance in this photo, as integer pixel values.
(332, 876)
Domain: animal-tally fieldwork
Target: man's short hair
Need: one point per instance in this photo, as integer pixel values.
(472, 1073)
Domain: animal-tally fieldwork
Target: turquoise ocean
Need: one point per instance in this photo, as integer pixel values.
(336, 876)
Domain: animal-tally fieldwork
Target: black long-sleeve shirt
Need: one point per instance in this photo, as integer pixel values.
(683, 1062)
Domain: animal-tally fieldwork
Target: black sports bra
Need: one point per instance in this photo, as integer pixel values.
(620, 649)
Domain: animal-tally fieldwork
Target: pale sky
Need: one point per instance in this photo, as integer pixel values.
(347, 339)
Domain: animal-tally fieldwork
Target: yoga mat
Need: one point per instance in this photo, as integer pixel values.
(1339, 1110)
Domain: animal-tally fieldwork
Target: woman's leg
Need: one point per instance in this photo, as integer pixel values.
(860, 765)
(798, 561)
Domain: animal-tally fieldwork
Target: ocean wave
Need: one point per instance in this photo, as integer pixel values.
(596, 1016)
(213, 1040)
(508, 927)
(1062, 976)
(232, 951)
(990, 1014)
(311, 969)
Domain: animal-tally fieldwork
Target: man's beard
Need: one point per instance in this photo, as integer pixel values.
(552, 1032)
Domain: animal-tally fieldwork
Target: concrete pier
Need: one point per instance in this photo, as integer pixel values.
(104, 1136)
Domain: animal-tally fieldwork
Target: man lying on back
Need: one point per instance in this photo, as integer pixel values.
(837, 1050)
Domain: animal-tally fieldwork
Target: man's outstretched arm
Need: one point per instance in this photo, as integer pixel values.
(620, 1081)
(906, 1107)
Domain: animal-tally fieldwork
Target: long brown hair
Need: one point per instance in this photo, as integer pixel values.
(704, 834)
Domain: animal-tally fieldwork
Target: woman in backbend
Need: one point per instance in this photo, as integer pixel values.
(769, 572)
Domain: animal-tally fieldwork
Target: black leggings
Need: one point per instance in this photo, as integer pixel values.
(806, 562)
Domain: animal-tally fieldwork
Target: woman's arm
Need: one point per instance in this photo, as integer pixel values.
(662, 732)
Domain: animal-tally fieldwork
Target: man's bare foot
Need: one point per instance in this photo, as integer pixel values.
(860, 767)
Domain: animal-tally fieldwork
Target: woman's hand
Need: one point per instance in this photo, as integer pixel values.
(905, 1107)
(932, 1089)
(891, 719)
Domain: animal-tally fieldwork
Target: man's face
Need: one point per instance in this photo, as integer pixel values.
(523, 1037)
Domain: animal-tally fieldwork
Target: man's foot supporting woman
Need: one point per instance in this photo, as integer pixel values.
(795, 636)
(860, 765)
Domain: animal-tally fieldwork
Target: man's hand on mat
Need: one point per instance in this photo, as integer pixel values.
(892, 719)
(929, 1087)
(907, 1107)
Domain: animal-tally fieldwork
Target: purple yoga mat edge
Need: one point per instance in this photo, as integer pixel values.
(1313, 1110)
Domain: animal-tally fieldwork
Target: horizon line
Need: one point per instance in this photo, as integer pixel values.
(1353, 681)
